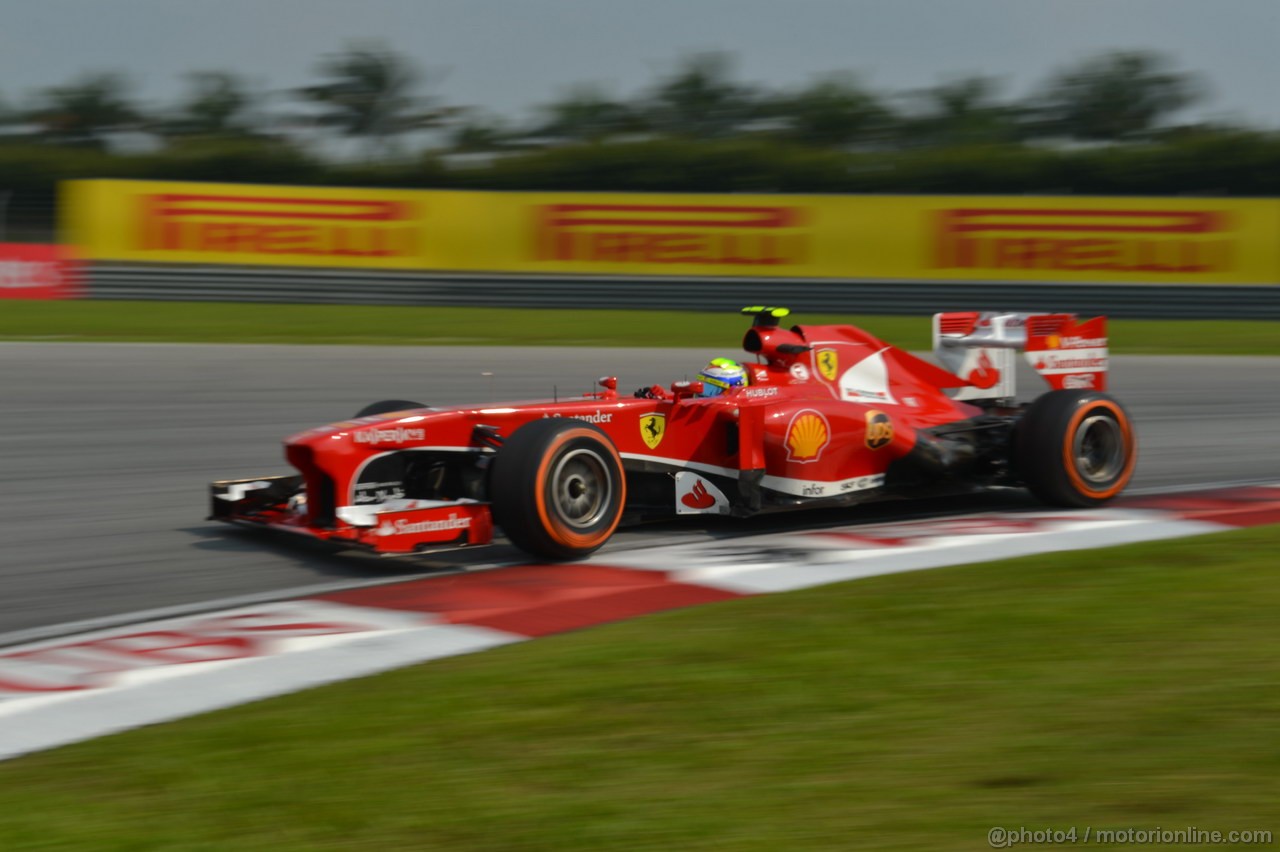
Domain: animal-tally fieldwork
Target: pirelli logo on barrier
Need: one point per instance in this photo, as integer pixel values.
(729, 236)
(278, 225)
(1165, 242)
(970, 238)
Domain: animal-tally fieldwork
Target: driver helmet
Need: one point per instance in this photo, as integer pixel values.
(720, 375)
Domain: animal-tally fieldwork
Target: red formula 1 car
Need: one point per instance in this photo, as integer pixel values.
(829, 416)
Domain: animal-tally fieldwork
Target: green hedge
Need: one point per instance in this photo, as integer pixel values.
(1219, 164)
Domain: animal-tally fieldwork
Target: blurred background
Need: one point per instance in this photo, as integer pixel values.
(1146, 97)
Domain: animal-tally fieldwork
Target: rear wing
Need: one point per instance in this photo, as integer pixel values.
(980, 347)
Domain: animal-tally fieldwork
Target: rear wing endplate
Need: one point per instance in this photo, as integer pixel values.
(980, 348)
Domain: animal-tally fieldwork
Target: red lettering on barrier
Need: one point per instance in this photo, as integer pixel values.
(29, 271)
(643, 233)
(304, 226)
(1157, 241)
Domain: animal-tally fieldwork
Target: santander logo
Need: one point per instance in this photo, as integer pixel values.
(698, 497)
(695, 496)
(985, 375)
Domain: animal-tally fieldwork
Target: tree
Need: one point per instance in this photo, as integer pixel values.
(11, 121)
(700, 100)
(833, 112)
(1113, 97)
(84, 111)
(586, 114)
(218, 105)
(479, 133)
(963, 111)
(370, 94)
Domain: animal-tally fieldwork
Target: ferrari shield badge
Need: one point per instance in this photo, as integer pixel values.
(652, 428)
(828, 363)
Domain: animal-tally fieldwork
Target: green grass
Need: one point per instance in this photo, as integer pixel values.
(226, 322)
(1137, 687)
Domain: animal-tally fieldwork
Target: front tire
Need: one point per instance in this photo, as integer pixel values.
(1075, 448)
(557, 488)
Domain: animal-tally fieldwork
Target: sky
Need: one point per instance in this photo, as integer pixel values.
(508, 56)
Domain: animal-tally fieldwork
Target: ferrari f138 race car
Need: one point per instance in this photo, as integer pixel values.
(828, 415)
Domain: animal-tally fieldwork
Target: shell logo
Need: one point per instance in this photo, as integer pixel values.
(807, 436)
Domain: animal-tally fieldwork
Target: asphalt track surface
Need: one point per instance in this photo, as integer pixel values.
(106, 451)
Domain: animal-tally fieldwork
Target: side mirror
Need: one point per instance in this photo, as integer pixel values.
(681, 390)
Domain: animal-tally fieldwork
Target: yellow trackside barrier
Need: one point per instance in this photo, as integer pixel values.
(1059, 239)
(251, 224)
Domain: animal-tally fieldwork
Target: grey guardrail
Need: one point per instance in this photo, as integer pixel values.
(174, 282)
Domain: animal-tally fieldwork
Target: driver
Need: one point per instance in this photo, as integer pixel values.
(717, 377)
(721, 375)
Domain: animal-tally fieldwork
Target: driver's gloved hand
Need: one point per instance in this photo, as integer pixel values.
(645, 393)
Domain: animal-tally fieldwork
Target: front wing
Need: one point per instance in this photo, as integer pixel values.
(394, 528)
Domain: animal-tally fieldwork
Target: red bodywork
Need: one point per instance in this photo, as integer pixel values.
(828, 413)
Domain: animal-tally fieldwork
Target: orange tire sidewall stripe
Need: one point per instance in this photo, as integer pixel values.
(1130, 447)
(552, 525)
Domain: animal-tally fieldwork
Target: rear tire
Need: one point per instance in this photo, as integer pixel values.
(1075, 448)
(386, 406)
(557, 488)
